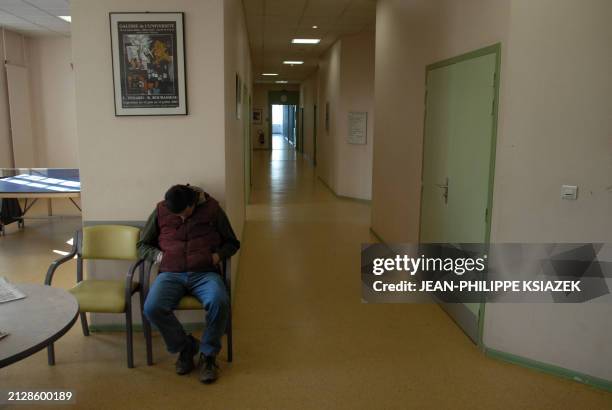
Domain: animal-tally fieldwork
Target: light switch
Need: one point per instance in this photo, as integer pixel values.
(569, 192)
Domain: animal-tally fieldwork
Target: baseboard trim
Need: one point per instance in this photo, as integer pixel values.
(348, 198)
(377, 236)
(550, 369)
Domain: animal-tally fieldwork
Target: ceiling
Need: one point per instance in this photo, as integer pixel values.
(35, 17)
(273, 23)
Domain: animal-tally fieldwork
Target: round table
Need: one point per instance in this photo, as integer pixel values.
(35, 322)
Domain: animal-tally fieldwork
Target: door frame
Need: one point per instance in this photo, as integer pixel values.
(275, 97)
(301, 129)
(314, 135)
(494, 49)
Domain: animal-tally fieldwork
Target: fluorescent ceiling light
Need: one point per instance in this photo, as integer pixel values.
(269, 74)
(293, 62)
(66, 18)
(306, 40)
(281, 82)
(315, 26)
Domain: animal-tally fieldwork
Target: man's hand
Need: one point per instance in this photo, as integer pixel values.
(216, 258)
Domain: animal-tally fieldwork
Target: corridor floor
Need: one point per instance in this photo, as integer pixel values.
(303, 339)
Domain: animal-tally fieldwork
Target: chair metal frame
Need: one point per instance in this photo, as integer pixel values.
(129, 291)
(226, 274)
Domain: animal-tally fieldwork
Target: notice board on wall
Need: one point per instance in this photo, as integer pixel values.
(357, 127)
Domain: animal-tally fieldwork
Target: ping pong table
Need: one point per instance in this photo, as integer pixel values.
(32, 184)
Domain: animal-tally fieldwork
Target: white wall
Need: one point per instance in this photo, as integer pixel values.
(237, 61)
(127, 163)
(308, 99)
(329, 95)
(409, 36)
(53, 102)
(6, 149)
(357, 94)
(557, 130)
(13, 49)
(346, 81)
(554, 128)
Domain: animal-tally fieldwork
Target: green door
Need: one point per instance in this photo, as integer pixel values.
(458, 157)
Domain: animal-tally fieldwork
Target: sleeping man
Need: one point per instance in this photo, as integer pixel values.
(189, 234)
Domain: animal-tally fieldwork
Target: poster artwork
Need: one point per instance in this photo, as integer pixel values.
(149, 73)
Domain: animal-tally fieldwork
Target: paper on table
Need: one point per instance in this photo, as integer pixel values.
(8, 292)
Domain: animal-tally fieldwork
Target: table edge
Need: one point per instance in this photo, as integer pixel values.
(36, 348)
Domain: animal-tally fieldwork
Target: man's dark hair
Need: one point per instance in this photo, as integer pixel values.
(179, 197)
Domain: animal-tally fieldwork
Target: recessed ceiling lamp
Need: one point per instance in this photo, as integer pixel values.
(315, 26)
(66, 18)
(306, 40)
(293, 62)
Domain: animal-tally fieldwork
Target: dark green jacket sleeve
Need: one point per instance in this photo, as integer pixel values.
(148, 247)
(229, 243)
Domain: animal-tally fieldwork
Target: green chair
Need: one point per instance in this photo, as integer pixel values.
(190, 303)
(103, 242)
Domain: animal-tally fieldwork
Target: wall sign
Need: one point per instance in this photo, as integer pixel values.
(148, 63)
(257, 113)
(357, 127)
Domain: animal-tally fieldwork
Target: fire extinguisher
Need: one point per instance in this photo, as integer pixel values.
(261, 137)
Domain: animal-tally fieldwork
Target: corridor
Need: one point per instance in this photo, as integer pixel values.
(303, 339)
(307, 340)
(320, 128)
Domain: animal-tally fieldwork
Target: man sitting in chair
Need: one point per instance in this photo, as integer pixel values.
(189, 235)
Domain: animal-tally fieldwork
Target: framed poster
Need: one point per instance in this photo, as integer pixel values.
(148, 52)
(257, 113)
(357, 127)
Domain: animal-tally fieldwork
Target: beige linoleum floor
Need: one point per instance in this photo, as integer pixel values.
(303, 340)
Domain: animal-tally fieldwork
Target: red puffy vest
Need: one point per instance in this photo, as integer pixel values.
(188, 245)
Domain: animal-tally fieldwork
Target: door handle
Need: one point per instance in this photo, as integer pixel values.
(445, 192)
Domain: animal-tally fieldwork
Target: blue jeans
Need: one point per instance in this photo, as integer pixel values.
(164, 296)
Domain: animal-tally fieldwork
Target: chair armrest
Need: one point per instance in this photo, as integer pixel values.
(56, 264)
(145, 277)
(130, 277)
(226, 272)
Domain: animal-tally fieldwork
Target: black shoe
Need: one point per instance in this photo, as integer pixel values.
(209, 371)
(184, 363)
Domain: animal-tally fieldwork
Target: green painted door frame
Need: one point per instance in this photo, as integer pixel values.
(301, 131)
(494, 50)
